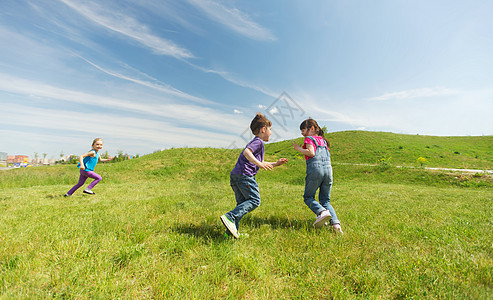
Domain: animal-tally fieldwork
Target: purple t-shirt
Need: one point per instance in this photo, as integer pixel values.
(243, 165)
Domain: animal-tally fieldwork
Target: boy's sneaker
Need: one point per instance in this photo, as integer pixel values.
(240, 235)
(230, 226)
(67, 195)
(88, 192)
(322, 219)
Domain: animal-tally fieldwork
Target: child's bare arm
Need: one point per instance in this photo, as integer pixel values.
(249, 155)
(281, 161)
(309, 151)
(81, 158)
(106, 159)
(263, 164)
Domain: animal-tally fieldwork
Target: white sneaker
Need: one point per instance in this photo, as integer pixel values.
(337, 229)
(230, 226)
(322, 218)
(88, 192)
(240, 234)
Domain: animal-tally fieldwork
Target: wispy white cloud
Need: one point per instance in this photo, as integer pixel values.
(234, 19)
(230, 78)
(117, 127)
(459, 112)
(338, 117)
(243, 83)
(324, 108)
(128, 27)
(153, 83)
(195, 115)
(415, 93)
(131, 28)
(172, 11)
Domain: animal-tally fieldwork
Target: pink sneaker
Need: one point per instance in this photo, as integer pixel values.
(322, 218)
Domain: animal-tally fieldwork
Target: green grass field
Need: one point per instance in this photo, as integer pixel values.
(153, 229)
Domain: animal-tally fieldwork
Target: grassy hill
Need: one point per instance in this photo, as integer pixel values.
(365, 147)
(152, 230)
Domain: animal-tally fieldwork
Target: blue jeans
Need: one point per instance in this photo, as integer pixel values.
(319, 176)
(247, 197)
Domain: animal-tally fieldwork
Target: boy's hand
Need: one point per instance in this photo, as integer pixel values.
(266, 166)
(281, 161)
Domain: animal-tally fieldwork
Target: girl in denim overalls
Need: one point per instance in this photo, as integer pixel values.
(318, 174)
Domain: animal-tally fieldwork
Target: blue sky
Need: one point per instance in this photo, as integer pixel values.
(153, 74)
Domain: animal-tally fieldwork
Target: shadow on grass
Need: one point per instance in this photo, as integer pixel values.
(203, 231)
(54, 196)
(216, 232)
(275, 222)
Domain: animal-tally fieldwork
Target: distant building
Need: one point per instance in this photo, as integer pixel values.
(13, 159)
(3, 156)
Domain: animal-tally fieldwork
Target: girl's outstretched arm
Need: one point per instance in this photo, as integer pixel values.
(106, 159)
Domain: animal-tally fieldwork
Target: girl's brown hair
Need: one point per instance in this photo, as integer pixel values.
(258, 122)
(308, 123)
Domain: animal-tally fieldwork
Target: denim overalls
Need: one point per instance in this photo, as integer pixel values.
(319, 175)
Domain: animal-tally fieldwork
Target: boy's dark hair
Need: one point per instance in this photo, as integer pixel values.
(258, 122)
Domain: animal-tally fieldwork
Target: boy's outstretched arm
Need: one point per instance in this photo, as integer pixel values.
(263, 164)
(249, 155)
(281, 161)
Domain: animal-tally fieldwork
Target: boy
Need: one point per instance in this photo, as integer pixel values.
(242, 177)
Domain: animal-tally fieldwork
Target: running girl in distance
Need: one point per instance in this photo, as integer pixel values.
(87, 163)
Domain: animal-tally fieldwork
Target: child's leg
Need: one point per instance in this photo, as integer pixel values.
(239, 199)
(97, 178)
(247, 197)
(324, 196)
(312, 183)
(82, 180)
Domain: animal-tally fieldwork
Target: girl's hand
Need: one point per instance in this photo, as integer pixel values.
(308, 151)
(297, 147)
(82, 167)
